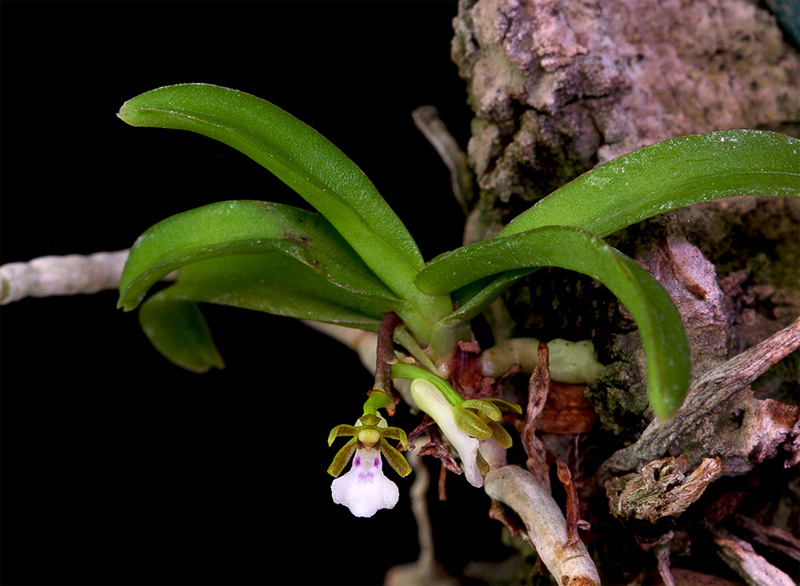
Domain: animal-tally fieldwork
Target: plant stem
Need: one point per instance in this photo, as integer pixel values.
(385, 353)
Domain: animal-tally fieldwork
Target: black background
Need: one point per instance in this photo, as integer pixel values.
(117, 467)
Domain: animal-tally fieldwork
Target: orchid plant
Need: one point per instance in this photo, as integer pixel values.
(352, 262)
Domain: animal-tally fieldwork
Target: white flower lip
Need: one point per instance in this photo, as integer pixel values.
(428, 398)
(364, 489)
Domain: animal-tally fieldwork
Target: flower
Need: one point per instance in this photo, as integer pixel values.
(428, 398)
(365, 490)
(466, 424)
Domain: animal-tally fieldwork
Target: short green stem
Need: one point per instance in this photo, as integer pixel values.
(411, 371)
(378, 400)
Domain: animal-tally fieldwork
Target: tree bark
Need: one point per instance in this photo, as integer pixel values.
(558, 87)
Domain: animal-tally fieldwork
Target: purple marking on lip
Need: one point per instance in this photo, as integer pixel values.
(357, 461)
(377, 463)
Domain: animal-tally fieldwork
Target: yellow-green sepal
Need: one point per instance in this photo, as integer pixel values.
(499, 434)
(341, 430)
(482, 406)
(395, 458)
(342, 457)
(397, 434)
(470, 423)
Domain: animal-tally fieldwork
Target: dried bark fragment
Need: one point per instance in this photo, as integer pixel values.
(538, 387)
(573, 508)
(661, 488)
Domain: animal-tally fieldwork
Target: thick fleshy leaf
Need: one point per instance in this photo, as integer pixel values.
(663, 336)
(179, 331)
(246, 227)
(299, 156)
(650, 181)
(668, 175)
(273, 283)
(278, 284)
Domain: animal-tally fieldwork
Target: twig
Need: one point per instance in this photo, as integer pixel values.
(545, 525)
(49, 276)
(664, 569)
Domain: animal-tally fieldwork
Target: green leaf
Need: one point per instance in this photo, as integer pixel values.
(278, 284)
(663, 336)
(300, 157)
(670, 175)
(650, 181)
(273, 283)
(247, 227)
(178, 330)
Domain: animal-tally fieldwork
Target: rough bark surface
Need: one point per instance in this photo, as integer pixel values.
(558, 87)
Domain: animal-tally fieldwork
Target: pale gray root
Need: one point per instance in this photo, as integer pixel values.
(426, 119)
(693, 431)
(753, 568)
(570, 362)
(545, 525)
(50, 276)
(364, 344)
(426, 570)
